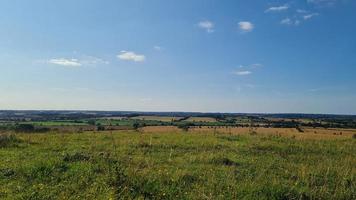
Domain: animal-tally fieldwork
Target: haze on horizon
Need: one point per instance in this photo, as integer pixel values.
(295, 56)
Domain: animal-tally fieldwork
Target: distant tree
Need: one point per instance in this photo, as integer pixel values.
(100, 128)
(91, 122)
(42, 129)
(24, 128)
(135, 126)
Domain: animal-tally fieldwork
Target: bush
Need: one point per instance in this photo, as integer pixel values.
(24, 128)
(135, 125)
(42, 130)
(185, 126)
(100, 128)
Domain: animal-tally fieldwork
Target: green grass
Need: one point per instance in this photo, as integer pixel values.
(48, 123)
(56, 123)
(130, 165)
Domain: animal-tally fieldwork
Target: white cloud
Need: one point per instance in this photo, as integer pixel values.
(246, 26)
(131, 56)
(207, 25)
(91, 60)
(306, 17)
(297, 22)
(84, 60)
(277, 8)
(256, 65)
(242, 73)
(288, 21)
(301, 11)
(157, 48)
(323, 2)
(65, 62)
(252, 66)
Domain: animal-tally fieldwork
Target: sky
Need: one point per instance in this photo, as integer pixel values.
(271, 56)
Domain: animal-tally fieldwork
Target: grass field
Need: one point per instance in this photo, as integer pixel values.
(175, 165)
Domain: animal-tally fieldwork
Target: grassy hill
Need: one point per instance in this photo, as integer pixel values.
(175, 165)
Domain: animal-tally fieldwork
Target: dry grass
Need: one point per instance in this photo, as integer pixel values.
(159, 129)
(309, 133)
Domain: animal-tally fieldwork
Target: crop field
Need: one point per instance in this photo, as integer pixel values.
(168, 163)
(200, 119)
(157, 118)
(308, 133)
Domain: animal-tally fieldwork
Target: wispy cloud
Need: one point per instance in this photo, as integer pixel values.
(92, 60)
(131, 56)
(65, 62)
(246, 26)
(323, 2)
(157, 48)
(247, 69)
(242, 73)
(208, 26)
(277, 8)
(301, 11)
(309, 16)
(252, 66)
(286, 21)
(84, 60)
(289, 21)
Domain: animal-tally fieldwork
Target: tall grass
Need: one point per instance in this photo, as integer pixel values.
(179, 165)
(9, 140)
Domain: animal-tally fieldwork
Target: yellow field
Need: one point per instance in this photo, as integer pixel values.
(309, 133)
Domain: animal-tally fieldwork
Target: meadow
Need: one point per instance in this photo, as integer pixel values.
(173, 164)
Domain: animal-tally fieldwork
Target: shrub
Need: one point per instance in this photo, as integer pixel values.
(135, 125)
(100, 128)
(185, 126)
(27, 128)
(42, 130)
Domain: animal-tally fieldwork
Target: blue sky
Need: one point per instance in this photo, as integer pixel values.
(163, 55)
